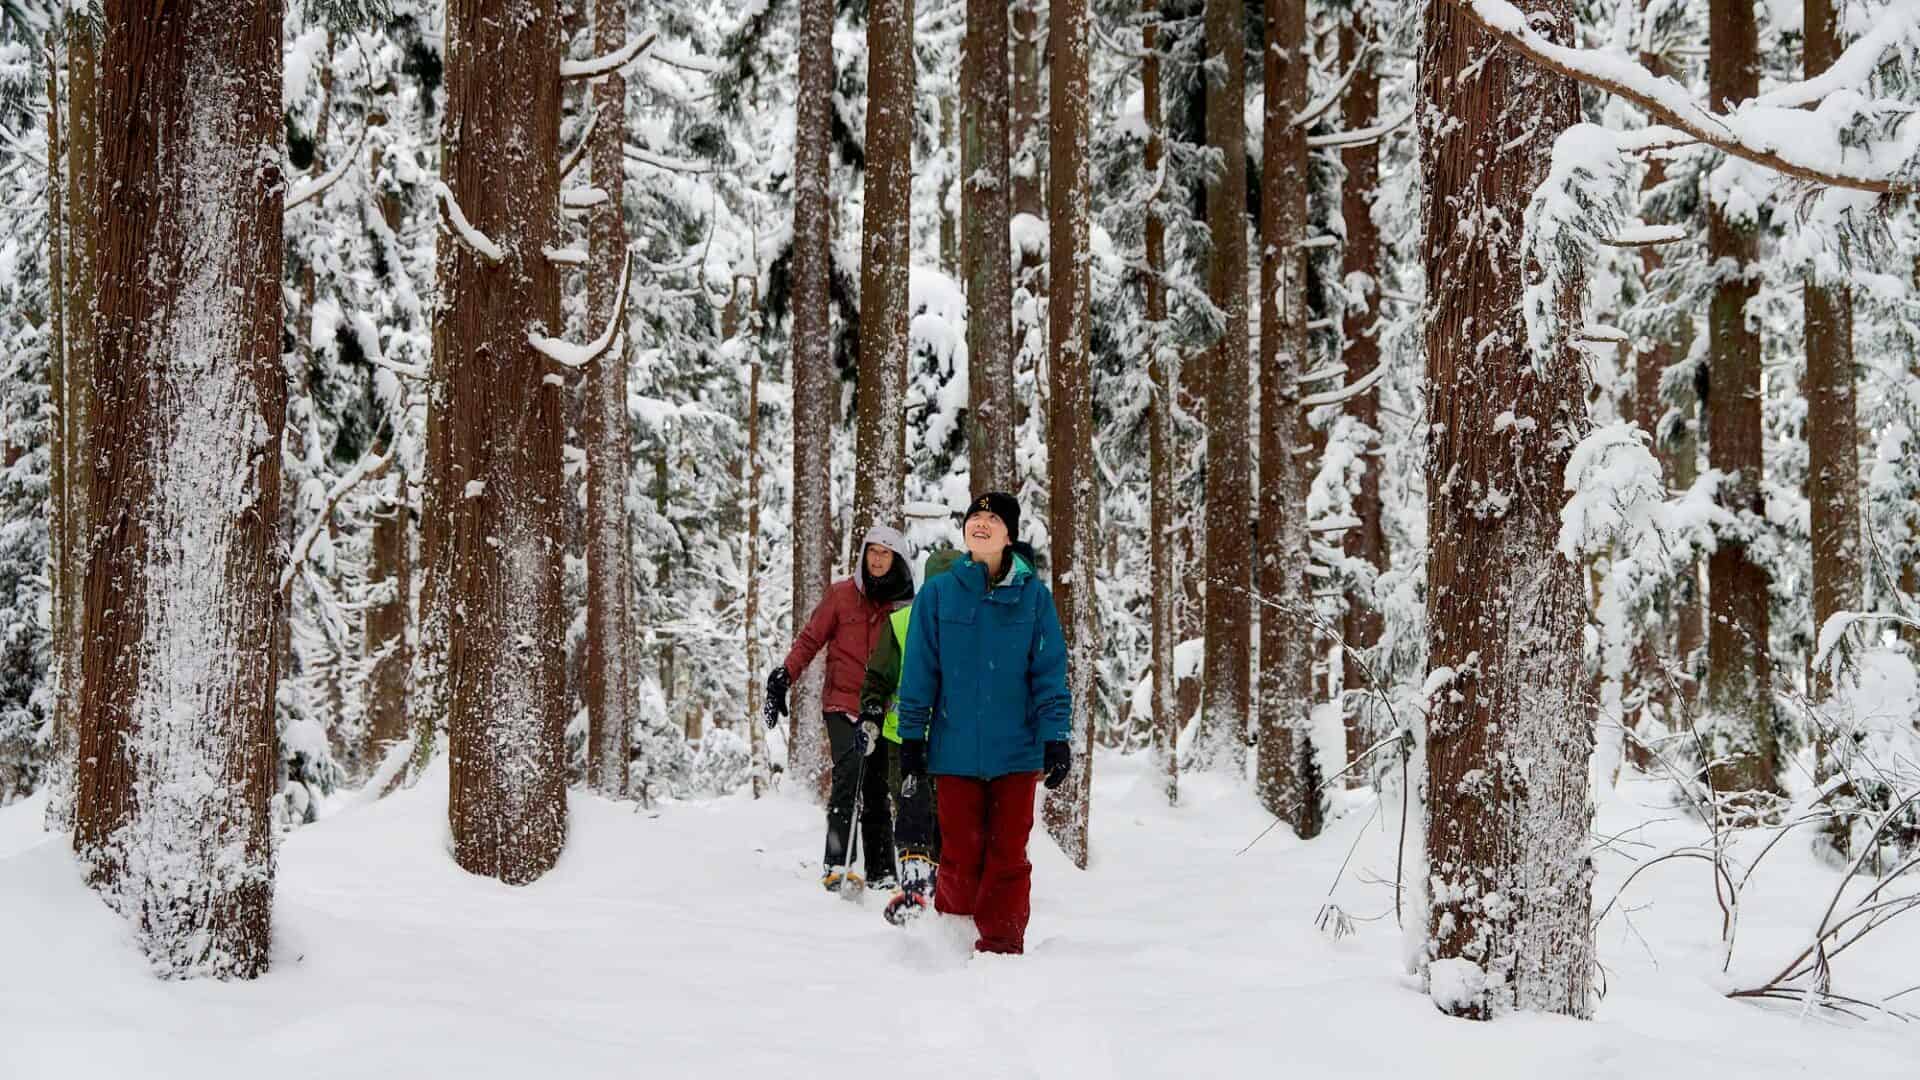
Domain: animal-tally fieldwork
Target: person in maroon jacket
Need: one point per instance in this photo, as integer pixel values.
(850, 618)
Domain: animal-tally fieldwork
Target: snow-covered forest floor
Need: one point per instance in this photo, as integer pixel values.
(693, 941)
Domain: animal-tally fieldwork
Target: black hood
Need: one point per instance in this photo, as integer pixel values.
(893, 587)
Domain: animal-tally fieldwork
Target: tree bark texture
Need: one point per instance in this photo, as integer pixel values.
(495, 498)
(1739, 706)
(1509, 732)
(176, 741)
(1073, 489)
(1833, 436)
(1028, 141)
(1165, 596)
(1229, 572)
(390, 582)
(813, 390)
(612, 684)
(886, 239)
(986, 253)
(1360, 263)
(1284, 702)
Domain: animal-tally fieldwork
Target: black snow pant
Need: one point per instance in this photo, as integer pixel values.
(916, 829)
(876, 816)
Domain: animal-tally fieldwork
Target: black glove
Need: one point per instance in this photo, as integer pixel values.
(867, 730)
(913, 766)
(776, 704)
(1059, 761)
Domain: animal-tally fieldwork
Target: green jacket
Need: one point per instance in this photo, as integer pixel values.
(882, 682)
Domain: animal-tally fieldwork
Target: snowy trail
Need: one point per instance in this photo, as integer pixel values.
(697, 942)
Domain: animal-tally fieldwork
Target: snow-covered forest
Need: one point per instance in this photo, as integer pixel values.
(1472, 448)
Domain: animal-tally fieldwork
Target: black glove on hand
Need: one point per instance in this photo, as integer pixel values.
(913, 766)
(776, 704)
(1059, 761)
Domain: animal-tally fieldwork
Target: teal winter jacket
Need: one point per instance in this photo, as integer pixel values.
(984, 678)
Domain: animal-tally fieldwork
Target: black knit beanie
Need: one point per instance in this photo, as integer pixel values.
(1001, 505)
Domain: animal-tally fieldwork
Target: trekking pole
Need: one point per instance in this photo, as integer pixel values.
(853, 831)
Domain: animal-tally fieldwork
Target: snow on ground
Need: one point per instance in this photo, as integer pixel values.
(695, 942)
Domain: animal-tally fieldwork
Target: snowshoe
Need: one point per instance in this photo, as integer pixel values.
(883, 884)
(915, 897)
(839, 877)
(904, 907)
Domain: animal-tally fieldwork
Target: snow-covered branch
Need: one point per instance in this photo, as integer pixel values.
(1364, 135)
(1352, 390)
(583, 198)
(470, 236)
(644, 156)
(579, 152)
(1314, 110)
(368, 468)
(318, 186)
(1647, 236)
(608, 64)
(1794, 142)
(567, 354)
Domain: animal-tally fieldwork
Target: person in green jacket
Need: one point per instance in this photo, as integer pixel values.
(915, 835)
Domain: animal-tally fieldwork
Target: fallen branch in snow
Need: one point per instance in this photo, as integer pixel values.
(367, 468)
(578, 356)
(476, 240)
(318, 186)
(608, 64)
(1675, 107)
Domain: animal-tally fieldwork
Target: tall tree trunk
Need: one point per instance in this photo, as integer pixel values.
(949, 218)
(1508, 738)
(390, 579)
(1075, 501)
(986, 253)
(1833, 470)
(1283, 777)
(1739, 706)
(61, 461)
(1029, 139)
(1164, 594)
(1360, 263)
(1229, 549)
(886, 253)
(612, 676)
(495, 499)
(176, 710)
(757, 739)
(813, 392)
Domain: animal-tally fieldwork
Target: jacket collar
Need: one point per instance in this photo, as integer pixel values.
(976, 577)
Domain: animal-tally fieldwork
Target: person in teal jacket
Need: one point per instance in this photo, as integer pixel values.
(984, 706)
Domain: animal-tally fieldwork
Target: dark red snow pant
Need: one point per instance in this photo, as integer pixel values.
(984, 870)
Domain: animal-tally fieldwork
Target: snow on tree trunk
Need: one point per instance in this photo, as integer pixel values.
(986, 251)
(880, 458)
(813, 381)
(1283, 778)
(1226, 697)
(1075, 501)
(1739, 706)
(1509, 733)
(1164, 538)
(176, 709)
(390, 583)
(612, 682)
(1360, 262)
(62, 511)
(1833, 438)
(494, 494)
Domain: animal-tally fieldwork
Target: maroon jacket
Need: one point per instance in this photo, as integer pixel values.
(848, 624)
